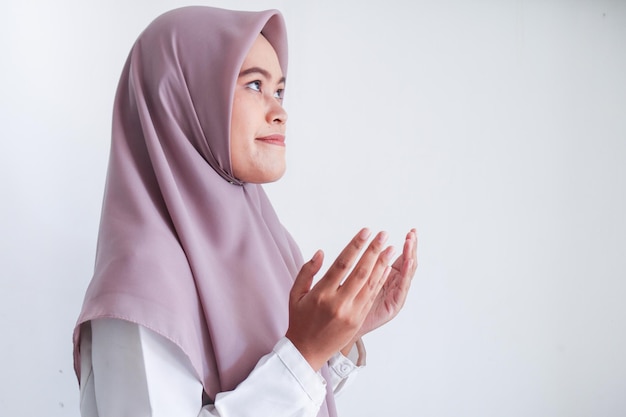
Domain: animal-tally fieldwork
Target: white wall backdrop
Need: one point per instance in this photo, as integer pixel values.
(497, 128)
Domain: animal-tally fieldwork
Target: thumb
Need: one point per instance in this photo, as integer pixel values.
(302, 284)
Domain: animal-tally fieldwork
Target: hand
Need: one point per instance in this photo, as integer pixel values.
(392, 296)
(323, 319)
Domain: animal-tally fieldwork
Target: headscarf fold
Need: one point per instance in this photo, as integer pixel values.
(185, 249)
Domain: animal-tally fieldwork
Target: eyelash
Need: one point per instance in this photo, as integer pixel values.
(256, 86)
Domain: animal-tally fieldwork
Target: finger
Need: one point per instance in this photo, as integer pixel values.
(412, 250)
(344, 262)
(407, 275)
(409, 251)
(366, 266)
(378, 292)
(409, 265)
(377, 279)
(304, 279)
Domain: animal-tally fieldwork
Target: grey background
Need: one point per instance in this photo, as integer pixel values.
(497, 128)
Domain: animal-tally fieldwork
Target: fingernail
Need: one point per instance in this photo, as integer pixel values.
(316, 256)
(364, 234)
(382, 237)
(389, 253)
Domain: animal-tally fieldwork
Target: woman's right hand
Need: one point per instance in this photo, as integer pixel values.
(325, 318)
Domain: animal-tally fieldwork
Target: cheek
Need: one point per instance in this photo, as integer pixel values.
(236, 121)
(239, 154)
(243, 119)
(238, 134)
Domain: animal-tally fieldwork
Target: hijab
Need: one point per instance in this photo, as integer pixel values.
(184, 248)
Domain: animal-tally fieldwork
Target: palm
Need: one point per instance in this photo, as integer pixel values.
(391, 297)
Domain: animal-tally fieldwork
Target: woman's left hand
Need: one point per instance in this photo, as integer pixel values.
(393, 294)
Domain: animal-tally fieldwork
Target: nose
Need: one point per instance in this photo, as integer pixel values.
(276, 113)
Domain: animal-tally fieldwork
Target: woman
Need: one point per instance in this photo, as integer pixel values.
(200, 302)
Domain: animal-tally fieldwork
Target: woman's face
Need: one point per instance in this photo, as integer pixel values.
(257, 126)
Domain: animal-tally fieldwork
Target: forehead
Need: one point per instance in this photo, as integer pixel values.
(263, 55)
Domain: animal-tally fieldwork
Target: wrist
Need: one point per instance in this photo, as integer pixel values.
(345, 351)
(314, 359)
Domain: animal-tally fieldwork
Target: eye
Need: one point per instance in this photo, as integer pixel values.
(254, 85)
(279, 94)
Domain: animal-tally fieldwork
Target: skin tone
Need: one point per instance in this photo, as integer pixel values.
(365, 287)
(258, 120)
(333, 314)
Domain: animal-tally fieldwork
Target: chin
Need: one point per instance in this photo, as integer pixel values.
(272, 177)
(264, 177)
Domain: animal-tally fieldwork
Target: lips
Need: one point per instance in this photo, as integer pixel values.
(276, 139)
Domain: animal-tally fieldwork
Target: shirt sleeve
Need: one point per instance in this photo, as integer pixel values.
(344, 369)
(129, 370)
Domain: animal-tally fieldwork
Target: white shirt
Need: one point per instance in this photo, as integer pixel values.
(129, 370)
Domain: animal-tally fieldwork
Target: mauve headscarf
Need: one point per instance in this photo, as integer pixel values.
(184, 248)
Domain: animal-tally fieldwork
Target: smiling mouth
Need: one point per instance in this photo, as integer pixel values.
(277, 139)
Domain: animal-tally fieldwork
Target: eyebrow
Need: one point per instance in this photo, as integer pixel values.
(261, 71)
